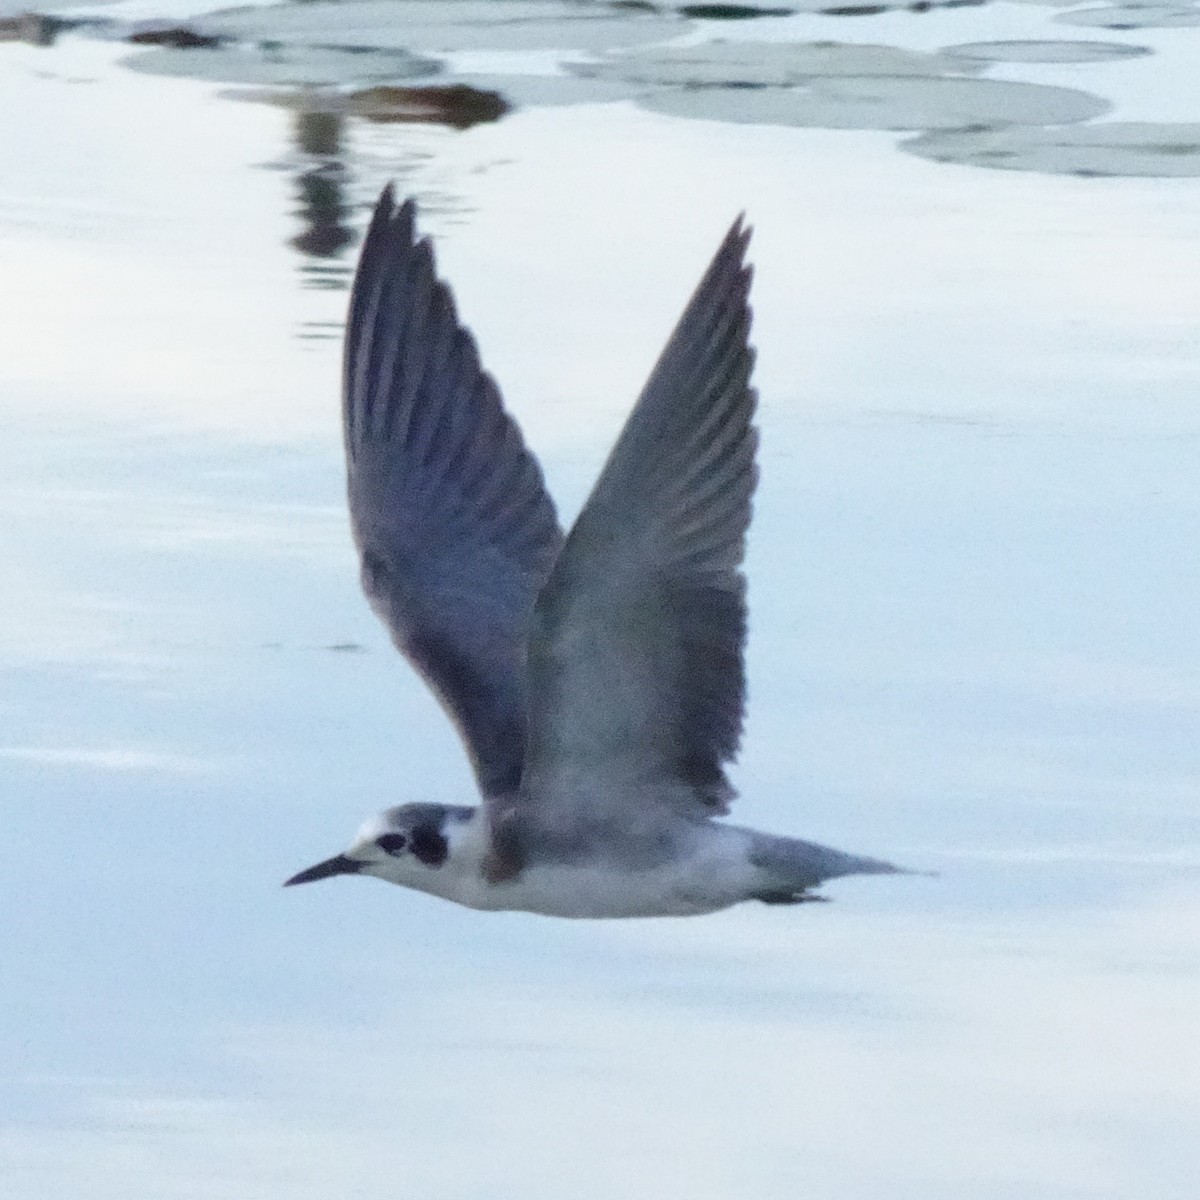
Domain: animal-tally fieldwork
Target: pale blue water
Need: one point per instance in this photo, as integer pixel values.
(974, 641)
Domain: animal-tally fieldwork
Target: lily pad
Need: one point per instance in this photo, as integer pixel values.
(536, 91)
(765, 64)
(1133, 16)
(885, 103)
(294, 65)
(1116, 148)
(1046, 51)
(446, 25)
(14, 9)
(871, 8)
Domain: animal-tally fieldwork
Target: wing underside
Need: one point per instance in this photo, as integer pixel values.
(449, 511)
(637, 680)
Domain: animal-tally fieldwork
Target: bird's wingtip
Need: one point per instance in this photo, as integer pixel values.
(741, 231)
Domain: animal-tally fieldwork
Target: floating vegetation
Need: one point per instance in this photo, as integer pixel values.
(835, 85)
(358, 59)
(872, 8)
(886, 102)
(1046, 51)
(447, 25)
(1133, 16)
(537, 91)
(293, 65)
(1115, 148)
(826, 8)
(766, 64)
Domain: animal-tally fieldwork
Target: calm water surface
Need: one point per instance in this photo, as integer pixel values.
(974, 640)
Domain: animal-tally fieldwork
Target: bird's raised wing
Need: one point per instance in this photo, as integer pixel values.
(636, 652)
(455, 528)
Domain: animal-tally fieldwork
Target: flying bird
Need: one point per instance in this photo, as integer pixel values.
(597, 679)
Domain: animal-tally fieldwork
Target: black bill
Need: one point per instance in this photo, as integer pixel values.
(338, 865)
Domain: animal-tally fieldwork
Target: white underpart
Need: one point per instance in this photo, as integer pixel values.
(716, 874)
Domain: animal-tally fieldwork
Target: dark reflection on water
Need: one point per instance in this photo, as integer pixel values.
(320, 133)
(323, 212)
(329, 191)
(731, 12)
(322, 209)
(325, 277)
(34, 28)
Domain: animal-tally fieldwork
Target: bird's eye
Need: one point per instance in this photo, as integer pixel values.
(393, 843)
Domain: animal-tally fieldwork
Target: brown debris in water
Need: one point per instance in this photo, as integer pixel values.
(456, 105)
(178, 37)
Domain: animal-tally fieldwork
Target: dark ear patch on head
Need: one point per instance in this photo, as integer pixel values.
(428, 845)
(392, 843)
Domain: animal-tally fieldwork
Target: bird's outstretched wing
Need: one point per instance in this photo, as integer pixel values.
(455, 528)
(636, 649)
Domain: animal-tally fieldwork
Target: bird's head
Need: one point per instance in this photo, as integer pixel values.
(402, 845)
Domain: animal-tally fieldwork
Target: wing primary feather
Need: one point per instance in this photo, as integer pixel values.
(449, 511)
(637, 653)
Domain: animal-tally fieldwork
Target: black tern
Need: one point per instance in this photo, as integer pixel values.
(597, 680)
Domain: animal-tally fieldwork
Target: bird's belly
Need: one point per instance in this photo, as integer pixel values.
(675, 890)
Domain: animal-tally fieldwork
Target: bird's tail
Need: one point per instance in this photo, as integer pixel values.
(789, 868)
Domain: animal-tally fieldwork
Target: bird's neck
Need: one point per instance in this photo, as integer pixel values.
(466, 840)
